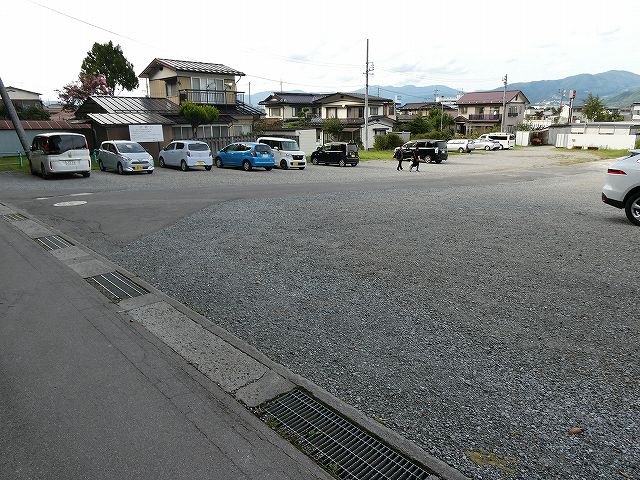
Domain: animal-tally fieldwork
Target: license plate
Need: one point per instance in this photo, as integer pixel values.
(199, 163)
(137, 167)
(69, 162)
(295, 164)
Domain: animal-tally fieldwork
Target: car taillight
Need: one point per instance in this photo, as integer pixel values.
(254, 154)
(46, 146)
(613, 171)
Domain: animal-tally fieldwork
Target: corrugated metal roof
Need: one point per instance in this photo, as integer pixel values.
(486, 97)
(44, 125)
(189, 66)
(360, 96)
(129, 119)
(135, 104)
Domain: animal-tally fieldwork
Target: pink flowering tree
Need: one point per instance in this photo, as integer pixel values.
(73, 94)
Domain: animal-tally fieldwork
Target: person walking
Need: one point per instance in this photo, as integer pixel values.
(415, 160)
(399, 156)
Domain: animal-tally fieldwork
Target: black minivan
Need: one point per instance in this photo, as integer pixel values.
(428, 150)
(339, 153)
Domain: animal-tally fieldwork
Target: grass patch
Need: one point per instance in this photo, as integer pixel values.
(577, 156)
(606, 154)
(12, 164)
(375, 154)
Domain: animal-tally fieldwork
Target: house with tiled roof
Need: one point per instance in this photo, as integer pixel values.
(346, 107)
(483, 111)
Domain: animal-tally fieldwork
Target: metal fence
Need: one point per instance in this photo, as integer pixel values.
(19, 156)
(219, 143)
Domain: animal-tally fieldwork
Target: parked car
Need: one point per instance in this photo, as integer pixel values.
(59, 152)
(247, 155)
(428, 150)
(124, 156)
(186, 154)
(485, 144)
(286, 152)
(461, 145)
(622, 187)
(506, 140)
(339, 153)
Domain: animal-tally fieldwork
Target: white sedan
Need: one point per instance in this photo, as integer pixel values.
(622, 187)
(485, 144)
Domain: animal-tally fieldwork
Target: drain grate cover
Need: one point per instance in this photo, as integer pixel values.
(116, 286)
(53, 242)
(344, 449)
(13, 217)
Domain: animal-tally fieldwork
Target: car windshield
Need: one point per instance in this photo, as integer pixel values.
(290, 146)
(262, 148)
(61, 143)
(352, 147)
(198, 147)
(130, 147)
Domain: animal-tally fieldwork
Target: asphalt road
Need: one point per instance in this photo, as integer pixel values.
(482, 307)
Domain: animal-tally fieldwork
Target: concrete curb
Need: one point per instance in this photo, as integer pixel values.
(257, 377)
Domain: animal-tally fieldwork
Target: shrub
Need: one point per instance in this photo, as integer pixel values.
(637, 145)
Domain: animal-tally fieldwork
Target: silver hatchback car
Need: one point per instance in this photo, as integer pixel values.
(124, 156)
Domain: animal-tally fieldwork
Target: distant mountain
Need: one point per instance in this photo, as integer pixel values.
(615, 87)
(606, 84)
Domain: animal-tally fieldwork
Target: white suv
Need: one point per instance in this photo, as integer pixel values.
(286, 152)
(622, 187)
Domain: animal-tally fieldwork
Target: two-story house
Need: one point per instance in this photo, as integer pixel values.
(170, 83)
(483, 111)
(346, 107)
(23, 99)
(407, 111)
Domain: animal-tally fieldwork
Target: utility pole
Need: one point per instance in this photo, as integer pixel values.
(250, 102)
(367, 68)
(504, 102)
(8, 104)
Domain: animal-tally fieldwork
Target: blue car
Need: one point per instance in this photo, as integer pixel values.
(247, 155)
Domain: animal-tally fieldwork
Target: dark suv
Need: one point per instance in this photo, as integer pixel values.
(339, 153)
(428, 150)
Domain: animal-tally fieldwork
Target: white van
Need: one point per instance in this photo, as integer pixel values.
(60, 152)
(506, 140)
(286, 152)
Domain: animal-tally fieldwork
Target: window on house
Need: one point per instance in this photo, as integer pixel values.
(355, 112)
(332, 112)
(315, 111)
(373, 110)
(391, 110)
(463, 109)
(275, 112)
(480, 110)
(171, 89)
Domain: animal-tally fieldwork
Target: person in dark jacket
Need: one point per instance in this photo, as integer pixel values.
(415, 160)
(399, 156)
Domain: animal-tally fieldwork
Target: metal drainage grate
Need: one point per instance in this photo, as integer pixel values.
(13, 217)
(341, 447)
(116, 286)
(53, 242)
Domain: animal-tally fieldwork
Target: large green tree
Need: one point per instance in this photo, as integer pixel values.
(108, 60)
(418, 125)
(333, 127)
(594, 109)
(198, 115)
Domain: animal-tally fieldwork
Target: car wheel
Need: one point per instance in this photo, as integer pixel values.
(461, 150)
(314, 160)
(86, 174)
(183, 166)
(119, 168)
(283, 164)
(218, 162)
(342, 163)
(101, 166)
(161, 162)
(632, 208)
(43, 172)
(268, 169)
(487, 147)
(246, 165)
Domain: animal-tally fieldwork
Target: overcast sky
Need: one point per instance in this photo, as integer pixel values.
(320, 46)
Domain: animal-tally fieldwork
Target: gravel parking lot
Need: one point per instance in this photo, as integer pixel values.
(483, 307)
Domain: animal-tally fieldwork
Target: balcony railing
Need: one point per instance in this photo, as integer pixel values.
(211, 97)
(512, 114)
(485, 118)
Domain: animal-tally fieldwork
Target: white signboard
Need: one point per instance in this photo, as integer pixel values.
(146, 133)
